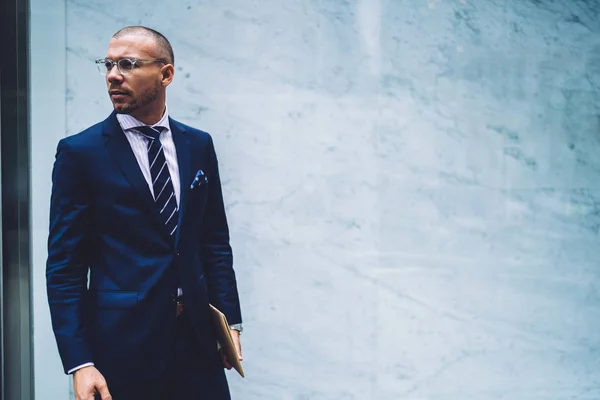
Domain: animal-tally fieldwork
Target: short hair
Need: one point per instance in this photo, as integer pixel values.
(163, 43)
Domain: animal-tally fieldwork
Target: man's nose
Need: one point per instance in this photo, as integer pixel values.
(114, 74)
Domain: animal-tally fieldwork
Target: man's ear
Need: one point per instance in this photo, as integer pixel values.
(168, 73)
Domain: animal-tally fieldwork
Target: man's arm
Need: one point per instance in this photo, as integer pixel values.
(216, 250)
(66, 273)
(66, 268)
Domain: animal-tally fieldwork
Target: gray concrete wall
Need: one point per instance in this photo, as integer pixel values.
(412, 186)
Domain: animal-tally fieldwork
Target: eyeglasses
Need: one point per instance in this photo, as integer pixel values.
(125, 65)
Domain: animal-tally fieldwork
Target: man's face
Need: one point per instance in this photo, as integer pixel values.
(138, 90)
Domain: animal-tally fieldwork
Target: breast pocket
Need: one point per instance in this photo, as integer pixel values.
(197, 195)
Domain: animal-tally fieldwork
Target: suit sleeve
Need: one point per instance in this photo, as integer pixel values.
(66, 267)
(216, 250)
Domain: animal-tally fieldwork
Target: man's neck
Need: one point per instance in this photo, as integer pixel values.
(149, 119)
(128, 121)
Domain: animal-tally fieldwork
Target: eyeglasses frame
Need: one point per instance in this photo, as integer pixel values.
(133, 61)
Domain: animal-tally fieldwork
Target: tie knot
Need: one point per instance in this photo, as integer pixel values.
(151, 132)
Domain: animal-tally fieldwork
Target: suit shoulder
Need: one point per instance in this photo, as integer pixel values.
(197, 133)
(84, 139)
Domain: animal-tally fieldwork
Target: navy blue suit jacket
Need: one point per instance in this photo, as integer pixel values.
(103, 220)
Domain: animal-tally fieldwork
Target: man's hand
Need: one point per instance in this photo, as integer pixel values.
(235, 334)
(87, 381)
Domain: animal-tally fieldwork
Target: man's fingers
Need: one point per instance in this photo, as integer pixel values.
(238, 344)
(87, 394)
(239, 350)
(225, 361)
(104, 393)
(88, 381)
(238, 347)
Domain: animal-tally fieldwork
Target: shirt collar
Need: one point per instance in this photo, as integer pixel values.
(128, 122)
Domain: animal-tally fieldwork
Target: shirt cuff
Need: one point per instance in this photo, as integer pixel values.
(237, 327)
(89, 364)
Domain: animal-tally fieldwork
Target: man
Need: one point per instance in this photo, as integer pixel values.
(137, 204)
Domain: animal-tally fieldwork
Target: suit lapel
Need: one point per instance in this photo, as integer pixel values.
(118, 146)
(182, 147)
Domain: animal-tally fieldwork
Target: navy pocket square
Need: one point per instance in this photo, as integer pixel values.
(199, 180)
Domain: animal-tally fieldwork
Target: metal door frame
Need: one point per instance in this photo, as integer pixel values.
(15, 281)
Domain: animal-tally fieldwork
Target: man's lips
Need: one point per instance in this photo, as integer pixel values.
(118, 94)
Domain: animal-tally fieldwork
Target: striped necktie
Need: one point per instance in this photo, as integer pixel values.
(164, 194)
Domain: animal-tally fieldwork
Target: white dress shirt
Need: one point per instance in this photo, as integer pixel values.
(139, 145)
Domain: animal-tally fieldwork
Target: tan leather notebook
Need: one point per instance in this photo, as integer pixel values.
(225, 339)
